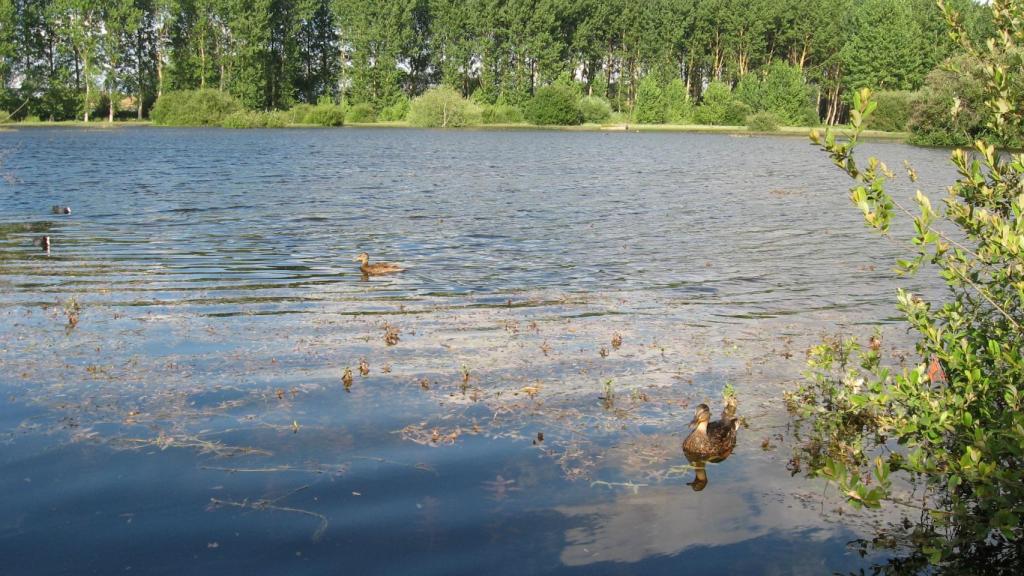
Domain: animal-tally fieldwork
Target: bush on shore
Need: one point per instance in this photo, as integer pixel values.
(256, 119)
(501, 114)
(362, 113)
(443, 107)
(763, 122)
(194, 108)
(893, 112)
(554, 105)
(720, 107)
(595, 109)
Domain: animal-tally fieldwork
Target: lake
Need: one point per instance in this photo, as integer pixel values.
(172, 391)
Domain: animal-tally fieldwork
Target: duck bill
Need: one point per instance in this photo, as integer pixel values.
(694, 422)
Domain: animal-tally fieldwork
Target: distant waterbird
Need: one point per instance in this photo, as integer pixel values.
(59, 209)
(43, 242)
(375, 269)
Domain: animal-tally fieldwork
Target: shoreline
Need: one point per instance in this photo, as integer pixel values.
(801, 131)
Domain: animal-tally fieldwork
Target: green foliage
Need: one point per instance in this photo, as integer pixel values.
(501, 114)
(554, 105)
(395, 112)
(362, 113)
(443, 107)
(782, 91)
(678, 103)
(297, 114)
(256, 119)
(595, 109)
(59, 55)
(194, 108)
(325, 114)
(566, 80)
(763, 122)
(650, 106)
(957, 413)
(887, 49)
(957, 86)
(599, 85)
(893, 111)
(720, 107)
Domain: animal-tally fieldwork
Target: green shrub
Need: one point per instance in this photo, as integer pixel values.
(4, 116)
(650, 105)
(554, 105)
(719, 107)
(31, 119)
(781, 90)
(595, 109)
(960, 78)
(193, 108)
(362, 113)
(949, 424)
(599, 85)
(893, 112)
(298, 114)
(443, 107)
(501, 114)
(256, 119)
(678, 103)
(763, 122)
(326, 115)
(396, 112)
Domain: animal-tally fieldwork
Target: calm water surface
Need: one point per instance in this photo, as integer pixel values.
(195, 419)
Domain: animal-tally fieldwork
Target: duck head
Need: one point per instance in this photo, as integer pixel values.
(703, 416)
(363, 258)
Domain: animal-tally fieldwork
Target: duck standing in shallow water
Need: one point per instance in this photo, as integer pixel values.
(711, 440)
(43, 242)
(377, 268)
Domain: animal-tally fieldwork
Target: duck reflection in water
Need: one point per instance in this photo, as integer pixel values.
(710, 441)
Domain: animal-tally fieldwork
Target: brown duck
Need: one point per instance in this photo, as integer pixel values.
(375, 269)
(711, 440)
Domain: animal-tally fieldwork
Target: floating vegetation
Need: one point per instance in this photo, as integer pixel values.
(272, 504)
(391, 335)
(72, 311)
(608, 399)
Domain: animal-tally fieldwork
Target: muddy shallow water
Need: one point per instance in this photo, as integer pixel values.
(172, 373)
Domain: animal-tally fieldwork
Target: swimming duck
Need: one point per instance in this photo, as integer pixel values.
(58, 209)
(375, 269)
(711, 440)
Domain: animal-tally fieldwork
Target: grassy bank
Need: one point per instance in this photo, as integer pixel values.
(800, 131)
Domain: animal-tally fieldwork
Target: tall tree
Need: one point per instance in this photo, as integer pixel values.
(318, 51)
(886, 49)
(80, 22)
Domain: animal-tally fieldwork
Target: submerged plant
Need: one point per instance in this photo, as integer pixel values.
(72, 310)
(608, 400)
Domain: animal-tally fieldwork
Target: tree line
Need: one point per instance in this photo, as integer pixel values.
(62, 59)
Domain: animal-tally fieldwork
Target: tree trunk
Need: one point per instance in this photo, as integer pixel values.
(85, 68)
